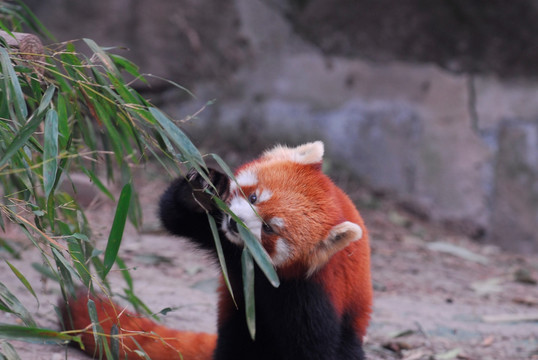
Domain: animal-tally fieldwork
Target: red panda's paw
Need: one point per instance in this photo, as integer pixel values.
(203, 191)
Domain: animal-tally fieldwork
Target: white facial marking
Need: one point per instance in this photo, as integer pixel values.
(278, 222)
(247, 178)
(244, 210)
(264, 195)
(282, 252)
(233, 186)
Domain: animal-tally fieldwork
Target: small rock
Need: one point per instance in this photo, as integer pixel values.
(524, 276)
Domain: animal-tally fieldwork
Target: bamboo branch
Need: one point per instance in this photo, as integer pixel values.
(29, 47)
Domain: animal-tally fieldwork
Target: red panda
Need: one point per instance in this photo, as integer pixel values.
(316, 240)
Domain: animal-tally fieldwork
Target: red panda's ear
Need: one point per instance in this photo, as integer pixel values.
(339, 237)
(307, 154)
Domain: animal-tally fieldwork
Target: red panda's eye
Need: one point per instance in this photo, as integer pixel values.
(267, 229)
(252, 198)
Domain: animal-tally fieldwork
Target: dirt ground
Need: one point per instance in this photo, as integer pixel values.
(438, 295)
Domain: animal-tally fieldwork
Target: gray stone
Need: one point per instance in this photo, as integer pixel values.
(514, 220)
(462, 146)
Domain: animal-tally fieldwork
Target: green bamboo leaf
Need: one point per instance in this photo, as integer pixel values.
(46, 271)
(254, 246)
(125, 272)
(10, 301)
(66, 272)
(14, 92)
(50, 155)
(35, 335)
(92, 313)
(5, 245)
(65, 263)
(9, 351)
(79, 262)
(187, 148)
(224, 167)
(25, 132)
(174, 84)
(63, 126)
(98, 183)
(113, 135)
(140, 352)
(128, 66)
(122, 89)
(103, 56)
(98, 334)
(118, 225)
(138, 304)
(114, 342)
(20, 139)
(222, 260)
(247, 265)
(259, 254)
(45, 100)
(23, 280)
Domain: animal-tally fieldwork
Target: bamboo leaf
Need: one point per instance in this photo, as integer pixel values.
(28, 129)
(63, 126)
(13, 87)
(23, 280)
(9, 351)
(222, 260)
(50, 155)
(77, 255)
(20, 139)
(45, 100)
(35, 335)
(259, 255)
(187, 148)
(10, 301)
(114, 342)
(66, 272)
(127, 65)
(247, 266)
(98, 183)
(98, 335)
(118, 225)
(103, 56)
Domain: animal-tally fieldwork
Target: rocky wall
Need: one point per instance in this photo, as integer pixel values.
(462, 146)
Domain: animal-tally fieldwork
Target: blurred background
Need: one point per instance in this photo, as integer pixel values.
(434, 103)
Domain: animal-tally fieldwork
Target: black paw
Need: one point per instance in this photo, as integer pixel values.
(203, 192)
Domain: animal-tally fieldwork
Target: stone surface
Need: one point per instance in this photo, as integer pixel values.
(176, 39)
(460, 35)
(514, 219)
(398, 105)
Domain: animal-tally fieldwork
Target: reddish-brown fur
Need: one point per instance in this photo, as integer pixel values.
(159, 342)
(312, 206)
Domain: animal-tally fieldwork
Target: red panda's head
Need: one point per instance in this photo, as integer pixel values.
(300, 217)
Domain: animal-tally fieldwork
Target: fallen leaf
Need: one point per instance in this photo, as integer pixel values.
(458, 251)
(524, 276)
(415, 355)
(503, 318)
(398, 219)
(527, 300)
(488, 341)
(451, 354)
(401, 333)
(396, 346)
(488, 286)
